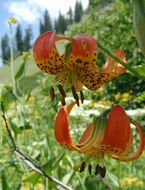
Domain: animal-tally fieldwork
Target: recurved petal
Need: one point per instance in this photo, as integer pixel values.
(82, 45)
(92, 79)
(118, 132)
(92, 138)
(84, 52)
(61, 128)
(113, 67)
(138, 152)
(86, 134)
(46, 55)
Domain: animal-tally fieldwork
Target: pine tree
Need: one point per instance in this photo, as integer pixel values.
(70, 16)
(41, 28)
(46, 24)
(61, 24)
(78, 11)
(19, 40)
(5, 47)
(56, 25)
(27, 38)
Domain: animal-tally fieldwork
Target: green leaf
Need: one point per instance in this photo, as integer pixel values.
(141, 69)
(58, 159)
(20, 71)
(111, 179)
(68, 177)
(53, 163)
(4, 182)
(4, 97)
(67, 53)
(33, 178)
(15, 128)
(26, 126)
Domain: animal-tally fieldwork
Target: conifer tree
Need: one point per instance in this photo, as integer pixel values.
(61, 24)
(56, 25)
(5, 47)
(46, 24)
(41, 27)
(19, 39)
(78, 11)
(70, 16)
(27, 38)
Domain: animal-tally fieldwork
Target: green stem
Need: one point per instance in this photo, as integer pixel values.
(139, 5)
(109, 52)
(12, 60)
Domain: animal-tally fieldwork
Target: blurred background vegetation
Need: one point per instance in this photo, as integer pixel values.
(31, 112)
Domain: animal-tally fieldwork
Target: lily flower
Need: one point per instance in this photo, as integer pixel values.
(77, 66)
(109, 134)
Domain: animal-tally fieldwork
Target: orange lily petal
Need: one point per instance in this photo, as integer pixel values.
(91, 140)
(46, 55)
(113, 67)
(91, 79)
(82, 45)
(61, 128)
(118, 132)
(84, 52)
(128, 145)
(139, 150)
(86, 134)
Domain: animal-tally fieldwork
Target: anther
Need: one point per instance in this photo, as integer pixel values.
(97, 169)
(75, 95)
(82, 167)
(90, 169)
(61, 90)
(52, 93)
(62, 99)
(81, 97)
(102, 171)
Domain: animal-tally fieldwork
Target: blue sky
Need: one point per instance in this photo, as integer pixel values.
(30, 11)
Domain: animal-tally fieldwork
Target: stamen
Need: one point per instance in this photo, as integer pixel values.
(62, 99)
(61, 90)
(52, 93)
(90, 169)
(82, 167)
(75, 95)
(97, 169)
(102, 171)
(82, 96)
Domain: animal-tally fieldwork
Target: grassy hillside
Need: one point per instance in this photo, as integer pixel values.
(31, 69)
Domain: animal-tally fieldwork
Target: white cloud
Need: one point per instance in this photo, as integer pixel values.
(22, 11)
(30, 10)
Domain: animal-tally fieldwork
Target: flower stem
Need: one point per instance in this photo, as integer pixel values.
(109, 52)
